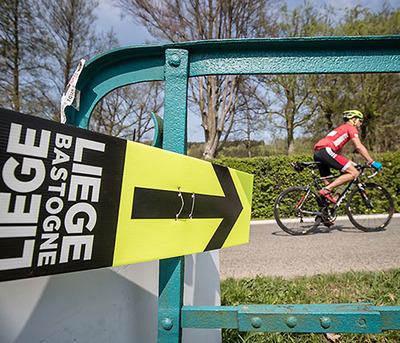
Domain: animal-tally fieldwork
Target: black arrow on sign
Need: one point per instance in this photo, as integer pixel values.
(160, 204)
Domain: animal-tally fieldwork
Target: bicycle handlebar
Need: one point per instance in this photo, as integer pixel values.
(361, 167)
(373, 175)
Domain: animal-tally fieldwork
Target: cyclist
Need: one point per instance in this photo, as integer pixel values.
(327, 151)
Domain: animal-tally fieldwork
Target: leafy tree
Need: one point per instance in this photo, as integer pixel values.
(126, 112)
(376, 95)
(18, 46)
(312, 104)
(249, 117)
(215, 96)
(67, 31)
(294, 106)
(293, 96)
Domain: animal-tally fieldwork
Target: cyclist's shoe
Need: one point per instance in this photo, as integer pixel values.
(326, 193)
(329, 224)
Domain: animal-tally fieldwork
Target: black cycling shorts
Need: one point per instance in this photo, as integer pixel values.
(329, 159)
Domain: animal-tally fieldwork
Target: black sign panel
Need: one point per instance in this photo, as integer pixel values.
(59, 196)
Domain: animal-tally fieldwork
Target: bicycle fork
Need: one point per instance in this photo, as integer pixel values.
(365, 197)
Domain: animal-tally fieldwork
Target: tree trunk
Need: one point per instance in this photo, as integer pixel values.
(290, 136)
(16, 58)
(248, 117)
(290, 147)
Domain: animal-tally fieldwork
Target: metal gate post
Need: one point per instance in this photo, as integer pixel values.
(171, 274)
(175, 103)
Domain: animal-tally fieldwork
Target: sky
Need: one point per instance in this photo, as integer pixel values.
(130, 33)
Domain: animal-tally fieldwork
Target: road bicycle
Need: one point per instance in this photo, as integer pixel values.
(300, 210)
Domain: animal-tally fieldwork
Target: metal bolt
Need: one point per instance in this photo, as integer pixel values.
(325, 322)
(256, 322)
(167, 324)
(362, 323)
(291, 322)
(174, 60)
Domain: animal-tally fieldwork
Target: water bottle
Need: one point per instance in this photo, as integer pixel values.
(339, 191)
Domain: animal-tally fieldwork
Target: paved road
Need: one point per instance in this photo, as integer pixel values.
(341, 248)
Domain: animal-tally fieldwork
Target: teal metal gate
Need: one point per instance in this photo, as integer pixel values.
(174, 64)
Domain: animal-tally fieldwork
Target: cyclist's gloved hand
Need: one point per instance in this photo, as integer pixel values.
(376, 165)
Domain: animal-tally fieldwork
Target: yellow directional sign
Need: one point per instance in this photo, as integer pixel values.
(71, 199)
(175, 205)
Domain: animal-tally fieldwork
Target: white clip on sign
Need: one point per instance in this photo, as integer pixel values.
(70, 95)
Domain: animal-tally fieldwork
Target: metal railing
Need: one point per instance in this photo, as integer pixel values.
(174, 64)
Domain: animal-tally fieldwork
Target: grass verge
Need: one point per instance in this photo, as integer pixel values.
(381, 289)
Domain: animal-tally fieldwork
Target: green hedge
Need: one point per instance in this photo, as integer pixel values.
(274, 174)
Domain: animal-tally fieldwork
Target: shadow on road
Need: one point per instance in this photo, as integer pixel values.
(322, 230)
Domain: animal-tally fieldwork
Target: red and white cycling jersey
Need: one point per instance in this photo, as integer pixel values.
(337, 138)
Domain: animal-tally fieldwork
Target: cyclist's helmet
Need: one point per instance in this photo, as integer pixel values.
(352, 114)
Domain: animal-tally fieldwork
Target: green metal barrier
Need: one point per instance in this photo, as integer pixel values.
(174, 64)
(356, 318)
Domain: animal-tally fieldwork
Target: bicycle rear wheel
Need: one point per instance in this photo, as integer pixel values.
(370, 208)
(295, 211)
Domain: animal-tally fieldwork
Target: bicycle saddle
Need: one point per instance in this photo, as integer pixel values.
(299, 166)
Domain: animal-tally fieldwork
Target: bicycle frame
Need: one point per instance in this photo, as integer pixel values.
(316, 181)
(347, 190)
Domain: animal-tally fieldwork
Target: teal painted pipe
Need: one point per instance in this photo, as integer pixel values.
(356, 318)
(210, 317)
(171, 277)
(129, 65)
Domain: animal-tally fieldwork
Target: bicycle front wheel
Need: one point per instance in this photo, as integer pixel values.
(370, 207)
(296, 211)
